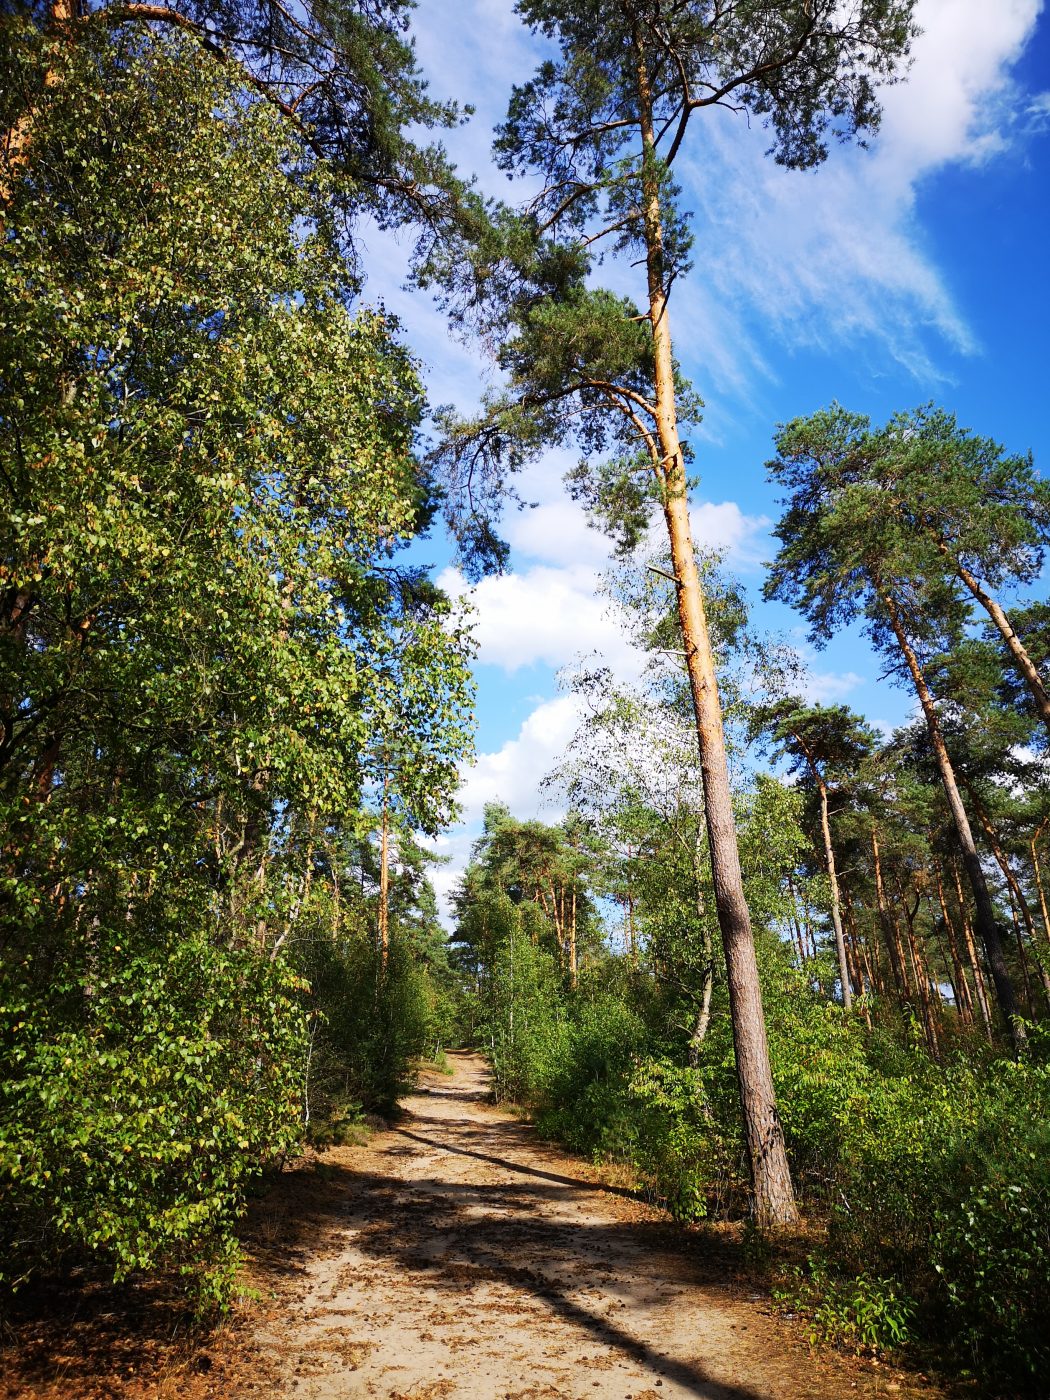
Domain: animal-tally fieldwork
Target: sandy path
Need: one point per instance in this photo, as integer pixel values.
(456, 1256)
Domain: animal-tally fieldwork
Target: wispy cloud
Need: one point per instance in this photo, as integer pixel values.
(837, 257)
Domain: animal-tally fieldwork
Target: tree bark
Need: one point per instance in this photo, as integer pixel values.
(963, 999)
(773, 1200)
(889, 927)
(833, 879)
(975, 962)
(1024, 663)
(986, 925)
(384, 878)
(864, 979)
(572, 940)
(1039, 883)
(1018, 902)
(704, 1017)
(921, 973)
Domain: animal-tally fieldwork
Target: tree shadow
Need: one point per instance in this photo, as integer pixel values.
(76, 1334)
(454, 1237)
(505, 1164)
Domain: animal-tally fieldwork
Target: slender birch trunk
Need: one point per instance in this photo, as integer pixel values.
(833, 880)
(384, 877)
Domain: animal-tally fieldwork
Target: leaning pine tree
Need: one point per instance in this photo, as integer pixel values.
(601, 125)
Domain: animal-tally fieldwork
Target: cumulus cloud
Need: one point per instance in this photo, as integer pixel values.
(545, 615)
(513, 773)
(825, 258)
(723, 526)
(830, 687)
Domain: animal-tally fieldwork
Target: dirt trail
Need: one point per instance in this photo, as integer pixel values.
(455, 1256)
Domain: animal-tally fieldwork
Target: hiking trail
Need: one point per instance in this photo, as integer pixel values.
(454, 1255)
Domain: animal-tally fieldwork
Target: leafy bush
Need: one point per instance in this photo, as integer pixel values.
(134, 1131)
(525, 1031)
(369, 1023)
(863, 1313)
(690, 1156)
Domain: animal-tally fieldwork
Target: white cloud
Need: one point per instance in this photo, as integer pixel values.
(835, 256)
(724, 526)
(513, 773)
(829, 687)
(556, 532)
(546, 615)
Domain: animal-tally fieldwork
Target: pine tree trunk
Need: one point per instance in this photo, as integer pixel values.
(796, 925)
(17, 140)
(1023, 661)
(1017, 902)
(986, 925)
(862, 968)
(975, 962)
(774, 1200)
(921, 974)
(889, 927)
(963, 999)
(1039, 884)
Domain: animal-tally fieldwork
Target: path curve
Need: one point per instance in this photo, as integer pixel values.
(456, 1256)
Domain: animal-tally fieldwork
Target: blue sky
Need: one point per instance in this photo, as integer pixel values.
(916, 270)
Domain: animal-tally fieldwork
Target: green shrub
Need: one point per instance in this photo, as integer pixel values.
(133, 1128)
(861, 1312)
(370, 1023)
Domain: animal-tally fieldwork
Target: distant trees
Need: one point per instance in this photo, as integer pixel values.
(825, 744)
(894, 527)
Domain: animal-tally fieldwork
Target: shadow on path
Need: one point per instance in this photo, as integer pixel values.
(452, 1237)
(505, 1164)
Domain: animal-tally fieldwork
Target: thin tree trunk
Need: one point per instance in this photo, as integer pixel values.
(704, 1018)
(865, 982)
(890, 932)
(1039, 883)
(833, 880)
(384, 877)
(774, 1200)
(572, 940)
(920, 971)
(963, 999)
(1024, 663)
(795, 924)
(1017, 902)
(986, 925)
(975, 962)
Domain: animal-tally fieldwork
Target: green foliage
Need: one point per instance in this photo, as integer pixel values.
(131, 1130)
(372, 1022)
(690, 1155)
(862, 1313)
(208, 649)
(526, 1031)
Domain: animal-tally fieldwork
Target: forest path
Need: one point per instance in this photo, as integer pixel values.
(454, 1255)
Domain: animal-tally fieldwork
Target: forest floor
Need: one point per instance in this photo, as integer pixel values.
(455, 1255)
